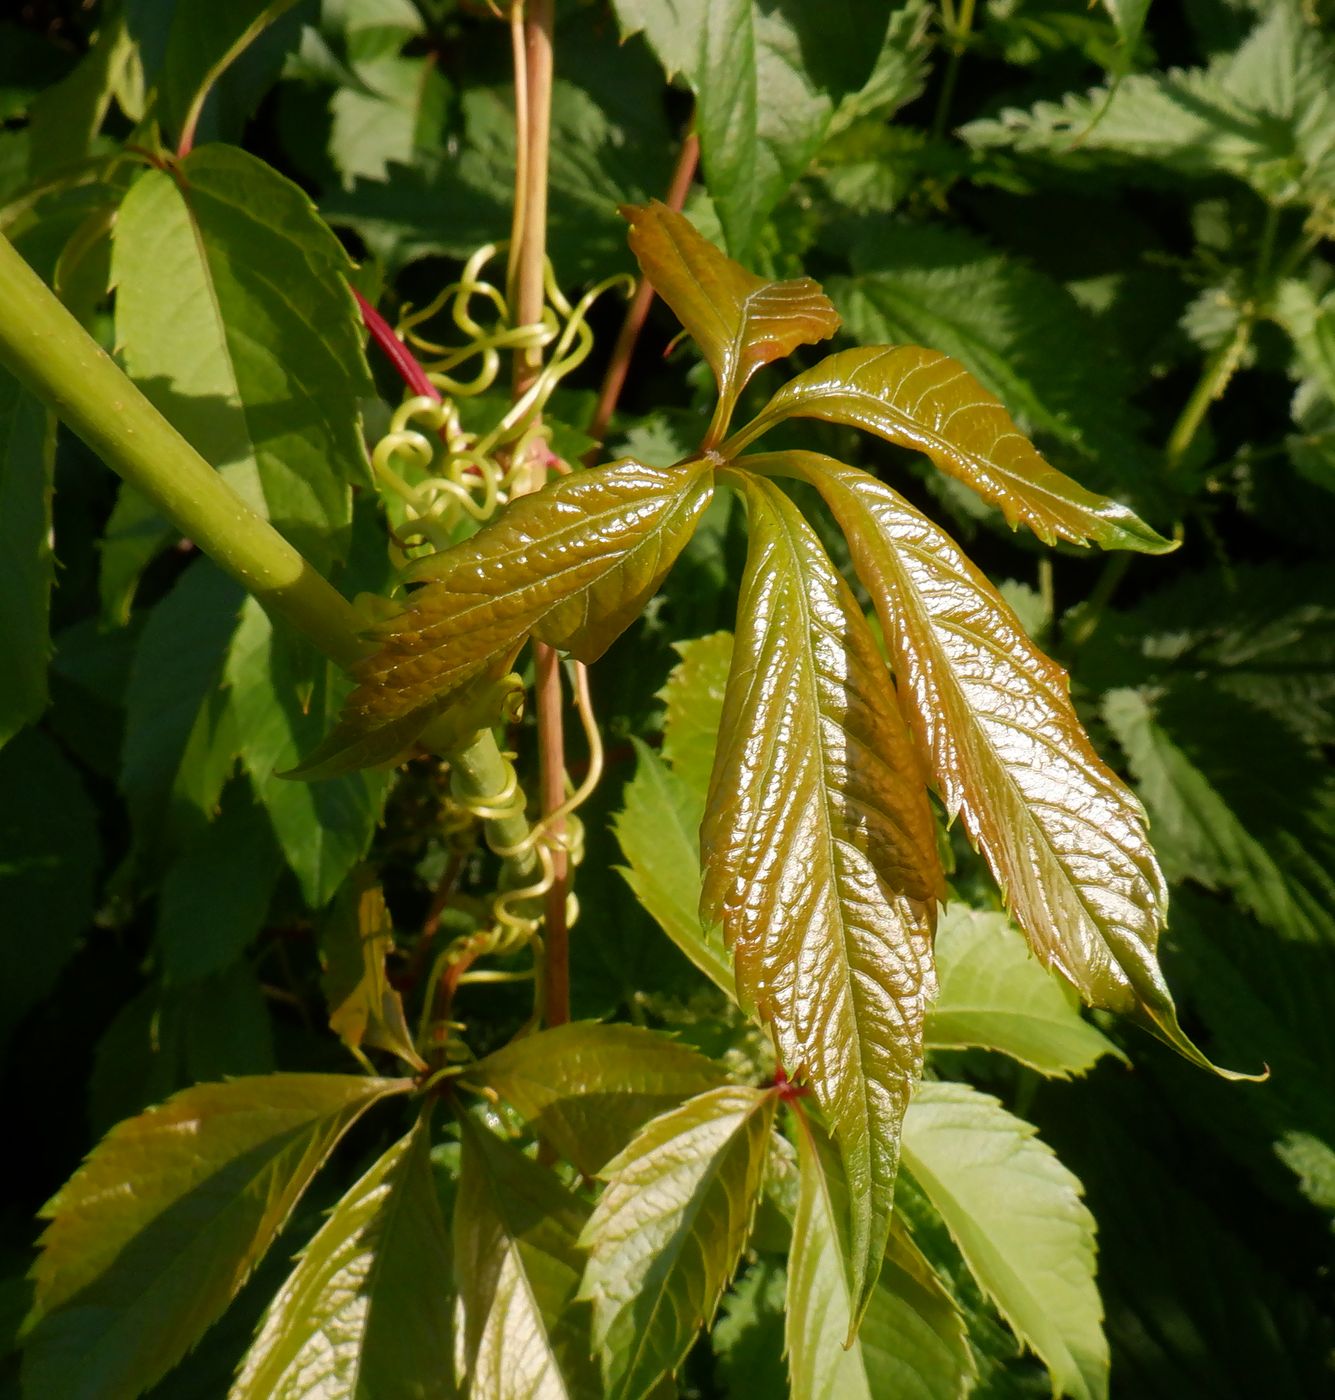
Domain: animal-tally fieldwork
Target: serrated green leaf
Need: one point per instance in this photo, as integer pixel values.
(912, 1340)
(1017, 1216)
(354, 940)
(994, 994)
(992, 717)
(747, 1339)
(27, 453)
(658, 829)
(366, 1312)
(49, 855)
(693, 701)
(66, 118)
(324, 828)
(127, 1280)
(588, 1088)
(928, 402)
(234, 318)
(668, 1230)
(518, 1265)
(819, 853)
(572, 564)
(740, 321)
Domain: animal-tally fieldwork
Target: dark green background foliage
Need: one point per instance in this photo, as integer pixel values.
(1117, 217)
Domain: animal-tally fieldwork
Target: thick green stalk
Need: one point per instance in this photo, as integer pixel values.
(53, 356)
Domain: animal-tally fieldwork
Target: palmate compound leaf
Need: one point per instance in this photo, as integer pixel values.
(366, 1312)
(668, 1230)
(518, 1266)
(819, 853)
(1017, 1216)
(926, 401)
(154, 1235)
(993, 718)
(573, 564)
(587, 1088)
(740, 321)
(912, 1344)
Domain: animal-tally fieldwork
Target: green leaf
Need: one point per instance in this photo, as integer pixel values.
(180, 744)
(928, 402)
(366, 1311)
(215, 897)
(27, 450)
(668, 1230)
(693, 697)
(588, 1088)
(658, 829)
(912, 1340)
(127, 1280)
(363, 1007)
(819, 853)
(573, 564)
(234, 318)
(995, 995)
(740, 321)
(324, 828)
(747, 1339)
(518, 1263)
(1017, 1216)
(135, 535)
(49, 856)
(993, 719)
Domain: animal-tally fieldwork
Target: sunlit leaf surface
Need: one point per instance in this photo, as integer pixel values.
(819, 853)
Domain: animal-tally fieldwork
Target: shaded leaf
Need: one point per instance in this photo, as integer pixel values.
(1017, 1216)
(666, 1234)
(747, 1339)
(588, 1088)
(518, 1265)
(992, 716)
(740, 321)
(127, 1280)
(363, 1007)
(234, 318)
(819, 853)
(912, 1341)
(925, 401)
(366, 1312)
(693, 700)
(994, 994)
(135, 535)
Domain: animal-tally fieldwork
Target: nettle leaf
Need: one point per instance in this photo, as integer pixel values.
(368, 1305)
(912, 1340)
(588, 1088)
(364, 1009)
(993, 718)
(127, 1280)
(819, 852)
(573, 564)
(234, 318)
(668, 1230)
(518, 1265)
(740, 321)
(995, 995)
(1017, 1216)
(27, 461)
(926, 401)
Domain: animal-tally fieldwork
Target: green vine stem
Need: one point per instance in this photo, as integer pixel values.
(51, 354)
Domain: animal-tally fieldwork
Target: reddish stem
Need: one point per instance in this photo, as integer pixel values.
(788, 1091)
(403, 359)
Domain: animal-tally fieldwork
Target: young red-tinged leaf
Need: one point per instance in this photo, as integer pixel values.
(1017, 1216)
(354, 939)
(912, 1340)
(366, 1312)
(668, 1230)
(518, 1265)
(573, 564)
(587, 1088)
(926, 401)
(1064, 836)
(819, 853)
(155, 1234)
(740, 321)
